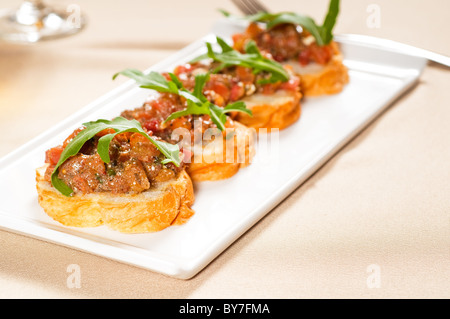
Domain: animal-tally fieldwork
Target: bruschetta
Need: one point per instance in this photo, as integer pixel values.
(271, 91)
(297, 40)
(214, 149)
(320, 68)
(135, 190)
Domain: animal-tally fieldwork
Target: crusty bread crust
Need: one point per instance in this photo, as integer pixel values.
(160, 207)
(274, 111)
(224, 159)
(325, 80)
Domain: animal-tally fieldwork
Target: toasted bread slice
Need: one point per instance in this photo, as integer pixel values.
(222, 158)
(278, 110)
(166, 204)
(319, 79)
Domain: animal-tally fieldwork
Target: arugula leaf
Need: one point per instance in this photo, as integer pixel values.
(156, 81)
(192, 109)
(238, 106)
(225, 13)
(153, 80)
(119, 125)
(223, 45)
(176, 80)
(252, 58)
(322, 34)
(197, 103)
(200, 82)
(326, 30)
(203, 106)
(218, 115)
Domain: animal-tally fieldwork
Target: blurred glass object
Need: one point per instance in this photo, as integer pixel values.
(35, 21)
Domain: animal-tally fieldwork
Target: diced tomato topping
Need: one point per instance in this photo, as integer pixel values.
(315, 53)
(106, 132)
(182, 69)
(80, 184)
(53, 155)
(179, 123)
(152, 125)
(187, 155)
(237, 91)
(245, 74)
(142, 148)
(292, 85)
(220, 89)
(253, 30)
(160, 104)
(137, 138)
(304, 57)
(123, 137)
(268, 89)
(238, 41)
(321, 54)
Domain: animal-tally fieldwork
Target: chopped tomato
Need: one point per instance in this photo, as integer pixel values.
(220, 89)
(142, 148)
(182, 69)
(81, 184)
(315, 53)
(292, 85)
(304, 57)
(253, 30)
(237, 91)
(245, 74)
(239, 41)
(179, 123)
(123, 137)
(106, 132)
(321, 54)
(187, 155)
(159, 105)
(53, 155)
(151, 126)
(269, 88)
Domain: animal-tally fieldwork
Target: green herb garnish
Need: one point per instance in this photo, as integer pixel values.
(252, 58)
(322, 34)
(197, 103)
(154, 80)
(119, 125)
(203, 106)
(326, 30)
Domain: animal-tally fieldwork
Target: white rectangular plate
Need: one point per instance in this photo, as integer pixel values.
(224, 209)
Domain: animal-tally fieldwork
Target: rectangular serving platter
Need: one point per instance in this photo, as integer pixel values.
(224, 210)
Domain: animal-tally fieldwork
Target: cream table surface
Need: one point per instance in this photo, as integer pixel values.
(382, 203)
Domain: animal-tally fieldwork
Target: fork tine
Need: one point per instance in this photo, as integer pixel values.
(257, 6)
(243, 6)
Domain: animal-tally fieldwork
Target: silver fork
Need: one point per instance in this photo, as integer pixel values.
(249, 7)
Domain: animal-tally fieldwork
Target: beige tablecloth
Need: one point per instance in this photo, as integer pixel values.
(374, 222)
